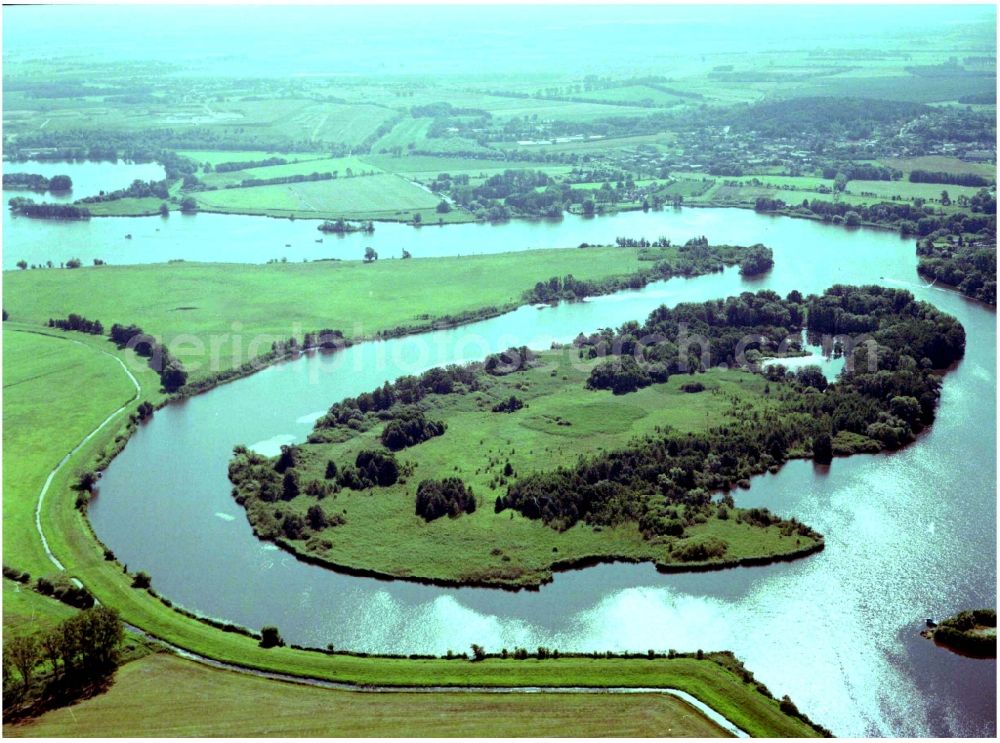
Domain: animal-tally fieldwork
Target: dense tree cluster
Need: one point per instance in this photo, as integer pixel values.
(281, 180)
(695, 258)
(971, 268)
(954, 179)
(371, 469)
(959, 632)
(78, 323)
(59, 663)
(861, 172)
(405, 391)
(512, 360)
(409, 428)
(448, 497)
(510, 405)
(757, 260)
(624, 374)
(825, 117)
(342, 227)
(36, 182)
(138, 189)
(909, 218)
(28, 208)
(234, 165)
(173, 376)
(884, 404)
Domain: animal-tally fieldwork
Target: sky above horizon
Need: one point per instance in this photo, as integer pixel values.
(284, 40)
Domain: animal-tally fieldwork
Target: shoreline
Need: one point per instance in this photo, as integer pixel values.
(560, 566)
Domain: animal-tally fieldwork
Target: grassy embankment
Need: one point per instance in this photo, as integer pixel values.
(561, 421)
(162, 695)
(71, 540)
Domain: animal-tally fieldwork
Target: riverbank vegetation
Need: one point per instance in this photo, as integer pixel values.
(629, 478)
(969, 265)
(972, 633)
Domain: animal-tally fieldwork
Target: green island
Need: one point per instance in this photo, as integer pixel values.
(972, 632)
(500, 472)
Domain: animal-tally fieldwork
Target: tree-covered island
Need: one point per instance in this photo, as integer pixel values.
(623, 446)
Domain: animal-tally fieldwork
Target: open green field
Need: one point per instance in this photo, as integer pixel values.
(42, 367)
(384, 196)
(633, 94)
(425, 167)
(885, 190)
(26, 612)
(941, 164)
(360, 299)
(162, 695)
(338, 165)
(561, 421)
(406, 132)
(745, 190)
(128, 207)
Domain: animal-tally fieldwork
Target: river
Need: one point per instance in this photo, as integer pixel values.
(909, 535)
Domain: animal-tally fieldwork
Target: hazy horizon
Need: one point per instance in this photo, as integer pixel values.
(319, 40)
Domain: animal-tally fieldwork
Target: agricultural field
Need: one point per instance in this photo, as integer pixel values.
(26, 612)
(342, 166)
(214, 157)
(634, 94)
(163, 695)
(386, 196)
(941, 164)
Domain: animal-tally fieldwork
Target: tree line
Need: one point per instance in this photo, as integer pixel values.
(172, 373)
(36, 182)
(695, 258)
(953, 179)
(28, 208)
(78, 323)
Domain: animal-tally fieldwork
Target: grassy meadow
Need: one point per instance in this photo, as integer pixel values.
(561, 421)
(162, 695)
(46, 417)
(384, 196)
(359, 299)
